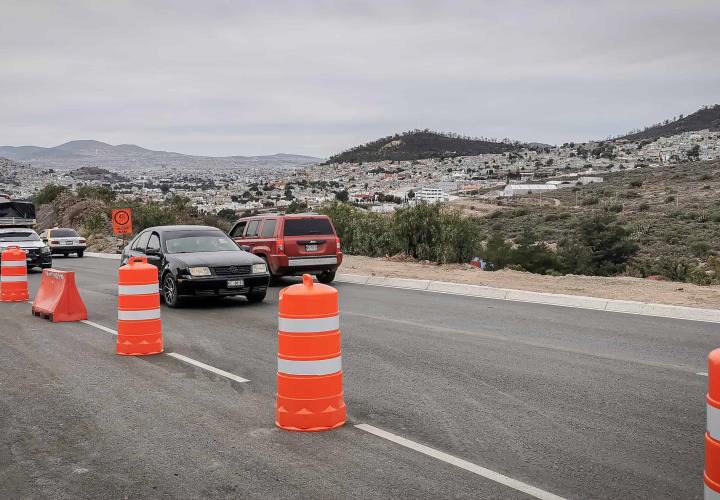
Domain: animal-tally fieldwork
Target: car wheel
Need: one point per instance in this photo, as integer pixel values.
(81, 253)
(170, 291)
(65, 254)
(326, 277)
(255, 297)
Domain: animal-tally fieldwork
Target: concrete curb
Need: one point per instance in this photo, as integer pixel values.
(553, 299)
(97, 255)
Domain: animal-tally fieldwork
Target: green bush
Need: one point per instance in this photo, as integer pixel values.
(96, 193)
(48, 194)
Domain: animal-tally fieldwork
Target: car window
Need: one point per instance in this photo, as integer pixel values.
(268, 229)
(301, 227)
(19, 236)
(141, 242)
(199, 241)
(154, 242)
(252, 230)
(64, 233)
(237, 231)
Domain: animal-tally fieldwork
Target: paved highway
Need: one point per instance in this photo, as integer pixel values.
(576, 403)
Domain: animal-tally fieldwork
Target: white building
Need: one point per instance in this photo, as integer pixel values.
(431, 195)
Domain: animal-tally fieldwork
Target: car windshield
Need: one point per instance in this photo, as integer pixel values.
(191, 242)
(301, 227)
(19, 236)
(63, 233)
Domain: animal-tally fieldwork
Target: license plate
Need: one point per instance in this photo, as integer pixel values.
(311, 248)
(67, 243)
(235, 283)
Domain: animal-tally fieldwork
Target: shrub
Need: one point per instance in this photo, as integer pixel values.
(48, 194)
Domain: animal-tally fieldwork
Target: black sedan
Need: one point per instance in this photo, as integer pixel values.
(199, 261)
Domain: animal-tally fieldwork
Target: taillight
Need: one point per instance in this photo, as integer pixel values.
(280, 246)
(337, 243)
(82, 241)
(53, 242)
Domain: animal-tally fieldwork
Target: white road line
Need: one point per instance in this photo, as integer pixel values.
(463, 464)
(178, 356)
(100, 327)
(207, 367)
(702, 374)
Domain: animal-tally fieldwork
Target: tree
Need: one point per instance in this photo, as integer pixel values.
(497, 252)
(608, 243)
(48, 194)
(227, 214)
(343, 196)
(411, 194)
(694, 152)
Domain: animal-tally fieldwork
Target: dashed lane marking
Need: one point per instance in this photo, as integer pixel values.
(702, 374)
(463, 464)
(177, 356)
(207, 367)
(100, 327)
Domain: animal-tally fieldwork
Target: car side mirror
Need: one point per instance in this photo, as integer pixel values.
(244, 247)
(152, 251)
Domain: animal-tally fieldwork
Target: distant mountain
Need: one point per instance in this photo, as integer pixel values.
(90, 153)
(705, 118)
(418, 144)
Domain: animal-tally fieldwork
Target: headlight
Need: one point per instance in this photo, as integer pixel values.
(259, 268)
(45, 250)
(199, 271)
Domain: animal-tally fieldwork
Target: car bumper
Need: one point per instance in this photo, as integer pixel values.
(68, 248)
(41, 260)
(288, 266)
(217, 287)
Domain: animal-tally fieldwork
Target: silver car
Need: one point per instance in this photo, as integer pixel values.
(64, 241)
(38, 254)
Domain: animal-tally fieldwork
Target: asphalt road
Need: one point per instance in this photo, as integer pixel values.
(579, 403)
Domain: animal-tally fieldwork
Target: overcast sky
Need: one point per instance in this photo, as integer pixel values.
(317, 77)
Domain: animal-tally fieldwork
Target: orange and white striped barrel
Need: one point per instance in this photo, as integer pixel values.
(13, 275)
(712, 431)
(309, 376)
(139, 326)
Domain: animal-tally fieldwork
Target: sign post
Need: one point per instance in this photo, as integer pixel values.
(122, 222)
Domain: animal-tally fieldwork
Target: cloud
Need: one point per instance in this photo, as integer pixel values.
(316, 77)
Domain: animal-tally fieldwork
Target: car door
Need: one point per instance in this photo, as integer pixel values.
(153, 250)
(236, 233)
(251, 233)
(265, 242)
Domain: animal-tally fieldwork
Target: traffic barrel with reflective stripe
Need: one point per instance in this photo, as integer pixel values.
(712, 434)
(309, 376)
(13, 275)
(139, 325)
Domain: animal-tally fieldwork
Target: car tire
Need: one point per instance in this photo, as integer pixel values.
(170, 291)
(65, 254)
(273, 277)
(255, 297)
(326, 277)
(80, 254)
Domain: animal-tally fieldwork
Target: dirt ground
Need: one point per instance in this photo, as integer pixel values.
(643, 290)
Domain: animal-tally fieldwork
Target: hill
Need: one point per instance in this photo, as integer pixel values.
(90, 153)
(419, 144)
(705, 118)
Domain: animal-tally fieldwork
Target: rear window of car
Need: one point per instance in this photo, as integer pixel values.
(301, 227)
(19, 236)
(63, 233)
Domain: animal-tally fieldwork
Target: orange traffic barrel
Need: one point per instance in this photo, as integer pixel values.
(712, 431)
(309, 375)
(13, 275)
(139, 326)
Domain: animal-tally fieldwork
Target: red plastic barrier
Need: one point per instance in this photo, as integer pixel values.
(58, 298)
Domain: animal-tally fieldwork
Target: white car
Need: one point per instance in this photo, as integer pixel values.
(64, 241)
(38, 253)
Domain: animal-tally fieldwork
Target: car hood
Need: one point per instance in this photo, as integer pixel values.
(214, 259)
(21, 244)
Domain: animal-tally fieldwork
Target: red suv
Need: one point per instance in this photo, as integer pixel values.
(292, 244)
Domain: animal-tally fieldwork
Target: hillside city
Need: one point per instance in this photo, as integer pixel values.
(381, 186)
